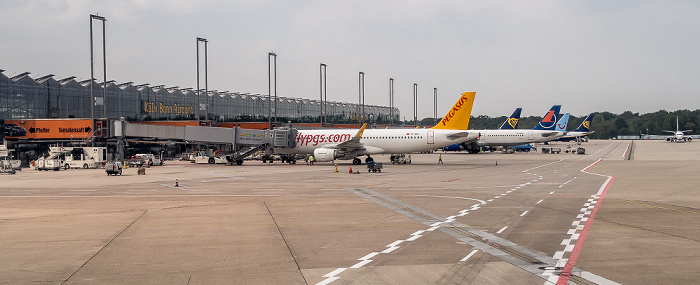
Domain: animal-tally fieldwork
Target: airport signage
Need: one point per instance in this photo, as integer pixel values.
(48, 129)
(159, 107)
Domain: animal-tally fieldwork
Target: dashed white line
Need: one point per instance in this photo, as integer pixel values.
(469, 255)
(524, 213)
(502, 229)
(540, 201)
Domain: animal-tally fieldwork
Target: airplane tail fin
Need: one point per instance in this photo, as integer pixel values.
(458, 117)
(512, 122)
(549, 121)
(561, 125)
(585, 125)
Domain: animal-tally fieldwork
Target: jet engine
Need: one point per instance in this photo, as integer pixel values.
(325, 154)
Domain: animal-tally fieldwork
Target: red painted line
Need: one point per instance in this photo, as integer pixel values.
(573, 257)
(626, 150)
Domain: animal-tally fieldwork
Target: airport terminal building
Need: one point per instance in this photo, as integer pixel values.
(46, 97)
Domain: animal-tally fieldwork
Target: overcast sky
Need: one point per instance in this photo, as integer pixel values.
(588, 56)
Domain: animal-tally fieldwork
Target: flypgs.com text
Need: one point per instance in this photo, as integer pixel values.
(314, 140)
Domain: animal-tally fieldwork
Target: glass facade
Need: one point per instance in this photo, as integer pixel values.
(23, 97)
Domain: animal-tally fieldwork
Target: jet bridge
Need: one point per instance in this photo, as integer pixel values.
(245, 141)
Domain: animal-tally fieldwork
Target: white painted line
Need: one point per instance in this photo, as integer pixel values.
(540, 201)
(422, 231)
(360, 264)
(335, 272)
(393, 244)
(389, 250)
(524, 213)
(413, 238)
(550, 193)
(366, 257)
(469, 255)
(502, 229)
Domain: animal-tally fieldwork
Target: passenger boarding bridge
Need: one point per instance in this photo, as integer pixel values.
(245, 142)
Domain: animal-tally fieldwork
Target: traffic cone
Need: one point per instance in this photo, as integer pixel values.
(350, 170)
(176, 184)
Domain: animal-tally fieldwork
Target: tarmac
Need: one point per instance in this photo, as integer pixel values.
(488, 218)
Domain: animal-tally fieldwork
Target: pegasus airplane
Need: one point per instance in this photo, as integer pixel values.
(678, 135)
(580, 133)
(344, 144)
(543, 132)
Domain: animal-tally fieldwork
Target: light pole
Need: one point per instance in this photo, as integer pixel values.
(270, 64)
(92, 70)
(206, 87)
(415, 103)
(361, 86)
(324, 92)
(391, 101)
(435, 106)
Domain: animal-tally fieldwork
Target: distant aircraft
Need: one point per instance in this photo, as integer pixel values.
(580, 133)
(544, 131)
(345, 144)
(678, 135)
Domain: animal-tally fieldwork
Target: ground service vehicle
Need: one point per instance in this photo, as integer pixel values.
(113, 168)
(84, 157)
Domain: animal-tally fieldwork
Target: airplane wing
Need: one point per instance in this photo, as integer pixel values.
(353, 143)
(546, 135)
(457, 135)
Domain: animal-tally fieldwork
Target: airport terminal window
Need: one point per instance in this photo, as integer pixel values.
(24, 97)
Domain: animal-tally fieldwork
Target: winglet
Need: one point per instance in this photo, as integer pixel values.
(362, 130)
(458, 117)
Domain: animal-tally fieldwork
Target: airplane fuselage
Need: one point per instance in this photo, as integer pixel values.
(376, 141)
(514, 137)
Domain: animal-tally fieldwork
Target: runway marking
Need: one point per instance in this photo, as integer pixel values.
(469, 255)
(331, 277)
(584, 223)
(486, 242)
(524, 213)
(540, 201)
(627, 150)
(453, 197)
(567, 182)
(502, 229)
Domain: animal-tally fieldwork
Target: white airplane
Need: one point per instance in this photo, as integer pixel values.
(346, 144)
(546, 130)
(678, 135)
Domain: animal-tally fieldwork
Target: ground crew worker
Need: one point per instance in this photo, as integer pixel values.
(311, 160)
(440, 159)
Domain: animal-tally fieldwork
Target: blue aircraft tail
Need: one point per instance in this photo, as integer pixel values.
(585, 125)
(561, 124)
(549, 121)
(512, 121)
